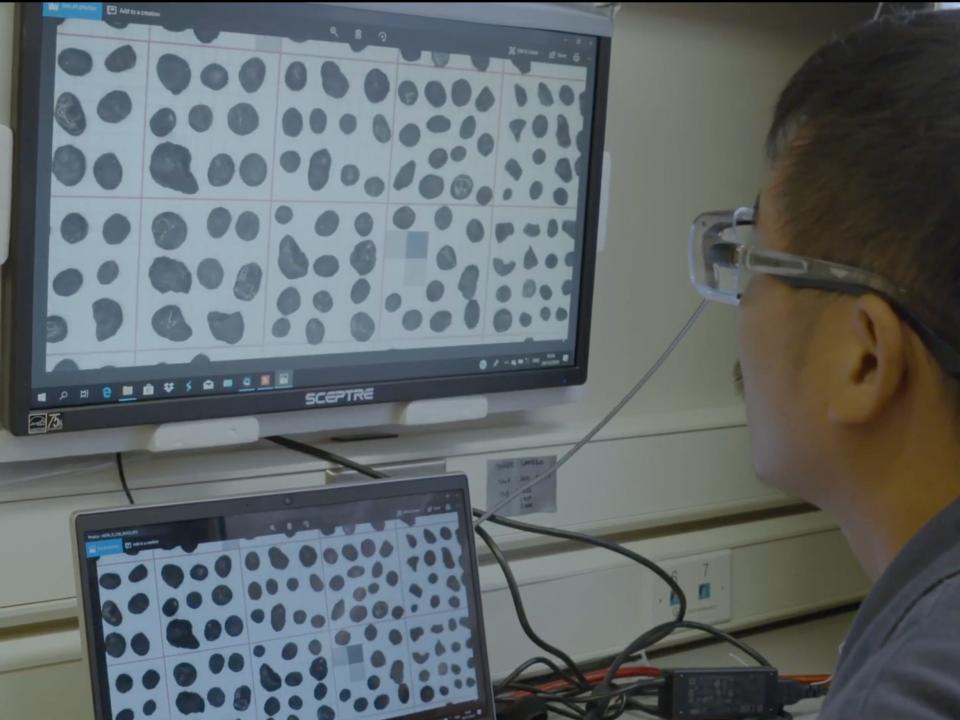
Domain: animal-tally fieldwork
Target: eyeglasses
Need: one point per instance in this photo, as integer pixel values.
(724, 257)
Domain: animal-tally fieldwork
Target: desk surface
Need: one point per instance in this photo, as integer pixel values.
(806, 710)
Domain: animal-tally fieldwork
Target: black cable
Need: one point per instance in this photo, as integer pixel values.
(621, 698)
(322, 454)
(572, 698)
(649, 638)
(328, 456)
(598, 704)
(593, 696)
(526, 665)
(716, 633)
(563, 712)
(597, 542)
(521, 612)
(534, 691)
(619, 709)
(727, 638)
(570, 707)
(644, 641)
(656, 634)
(123, 478)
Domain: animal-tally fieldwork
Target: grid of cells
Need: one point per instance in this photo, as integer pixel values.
(201, 603)
(221, 196)
(131, 628)
(372, 668)
(293, 678)
(344, 621)
(284, 590)
(324, 280)
(364, 579)
(443, 662)
(211, 684)
(138, 689)
(433, 569)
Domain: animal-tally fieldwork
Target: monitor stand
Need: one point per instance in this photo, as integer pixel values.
(195, 434)
(330, 422)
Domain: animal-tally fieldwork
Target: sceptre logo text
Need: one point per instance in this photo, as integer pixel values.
(339, 397)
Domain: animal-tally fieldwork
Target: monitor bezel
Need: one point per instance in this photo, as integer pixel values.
(347, 492)
(17, 301)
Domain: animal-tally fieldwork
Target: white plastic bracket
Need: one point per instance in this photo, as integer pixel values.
(195, 434)
(444, 410)
(6, 190)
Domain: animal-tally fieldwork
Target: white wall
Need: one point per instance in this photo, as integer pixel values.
(6, 59)
(691, 92)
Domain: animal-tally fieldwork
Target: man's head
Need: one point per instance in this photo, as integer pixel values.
(864, 156)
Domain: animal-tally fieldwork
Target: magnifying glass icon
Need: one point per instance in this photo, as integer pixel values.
(64, 394)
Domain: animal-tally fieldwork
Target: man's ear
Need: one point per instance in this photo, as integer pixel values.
(870, 360)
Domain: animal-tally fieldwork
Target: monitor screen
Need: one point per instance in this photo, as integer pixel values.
(276, 200)
(356, 602)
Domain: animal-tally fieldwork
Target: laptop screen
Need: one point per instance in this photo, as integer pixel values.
(345, 602)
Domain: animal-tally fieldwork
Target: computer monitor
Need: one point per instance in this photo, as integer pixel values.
(228, 210)
(358, 601)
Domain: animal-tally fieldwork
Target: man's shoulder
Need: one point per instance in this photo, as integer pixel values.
(912, 671)
(935, 611)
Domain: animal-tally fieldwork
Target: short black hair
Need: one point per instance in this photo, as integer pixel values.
(866, 137)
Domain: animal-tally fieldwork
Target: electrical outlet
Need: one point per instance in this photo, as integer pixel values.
(706, 582)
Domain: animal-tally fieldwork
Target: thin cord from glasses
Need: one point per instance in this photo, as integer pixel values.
(603, 422)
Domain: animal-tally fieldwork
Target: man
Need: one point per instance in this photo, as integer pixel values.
(851, 365)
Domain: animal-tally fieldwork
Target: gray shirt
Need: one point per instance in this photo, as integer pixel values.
(901, 659)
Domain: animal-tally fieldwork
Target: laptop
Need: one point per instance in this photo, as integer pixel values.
(351, 601)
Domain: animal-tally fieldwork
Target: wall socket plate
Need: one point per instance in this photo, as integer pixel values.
(706, 581)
